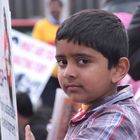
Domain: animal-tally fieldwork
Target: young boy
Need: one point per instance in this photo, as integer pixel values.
(92, 50)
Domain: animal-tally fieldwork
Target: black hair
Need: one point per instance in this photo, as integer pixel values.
(24, 104)
(99, 30)
(59, 2)
(134, 45)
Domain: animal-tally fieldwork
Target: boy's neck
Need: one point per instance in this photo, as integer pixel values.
(98, 102)
(85, 107)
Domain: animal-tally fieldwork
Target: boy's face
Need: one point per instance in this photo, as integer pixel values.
(83, 72)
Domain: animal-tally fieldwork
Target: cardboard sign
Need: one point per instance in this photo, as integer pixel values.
(8, 111)
(64, 109)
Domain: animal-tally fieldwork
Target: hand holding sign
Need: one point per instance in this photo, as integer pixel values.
(28, 133)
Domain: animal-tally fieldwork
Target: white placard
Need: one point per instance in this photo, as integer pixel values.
(34, 62)
(8, 110)
(64, 109)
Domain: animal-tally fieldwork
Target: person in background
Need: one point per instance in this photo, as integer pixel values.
(38, 119)
(39, 122)
(123, 9)
(24, 110)
(45, 30)
(134, 54)
(126, 6)
(92, 55)
(129, 13)
(134, 45)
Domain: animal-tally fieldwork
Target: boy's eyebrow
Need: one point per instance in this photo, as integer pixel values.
(82, 54)
(75, 55)
(59, 56)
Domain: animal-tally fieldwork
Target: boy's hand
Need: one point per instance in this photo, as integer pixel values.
(28, 133)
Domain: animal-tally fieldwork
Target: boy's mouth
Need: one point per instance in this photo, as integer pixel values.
(72, 87)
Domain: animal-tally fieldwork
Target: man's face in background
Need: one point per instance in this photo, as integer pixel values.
(56, 9)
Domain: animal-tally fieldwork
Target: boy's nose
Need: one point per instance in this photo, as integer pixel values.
(70, 71)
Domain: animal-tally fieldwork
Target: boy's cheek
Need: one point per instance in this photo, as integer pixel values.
(60, 79)
(61, 84)
(60, 74)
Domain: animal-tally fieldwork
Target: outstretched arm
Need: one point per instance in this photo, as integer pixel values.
(28, 133)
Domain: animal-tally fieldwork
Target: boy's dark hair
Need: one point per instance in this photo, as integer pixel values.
(99, 30)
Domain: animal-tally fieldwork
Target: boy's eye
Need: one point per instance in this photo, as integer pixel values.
(83, 61)
(62, 63)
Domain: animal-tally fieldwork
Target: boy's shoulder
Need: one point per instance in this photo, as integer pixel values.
(124, 114)
(116, 121)
(114, 117)
(126, 109)
(120, 105)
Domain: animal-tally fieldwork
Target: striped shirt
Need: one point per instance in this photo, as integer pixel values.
(115, 118)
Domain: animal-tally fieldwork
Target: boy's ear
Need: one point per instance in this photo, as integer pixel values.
(120, 70)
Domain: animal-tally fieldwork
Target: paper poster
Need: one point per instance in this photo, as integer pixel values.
(8, 111)
(64, 109)
(34, 62)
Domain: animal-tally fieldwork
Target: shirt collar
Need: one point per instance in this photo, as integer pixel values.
(53, 20)
(124, 92)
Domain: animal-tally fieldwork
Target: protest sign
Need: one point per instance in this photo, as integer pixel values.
(64, 109)
(8, 111)
(34, 62)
